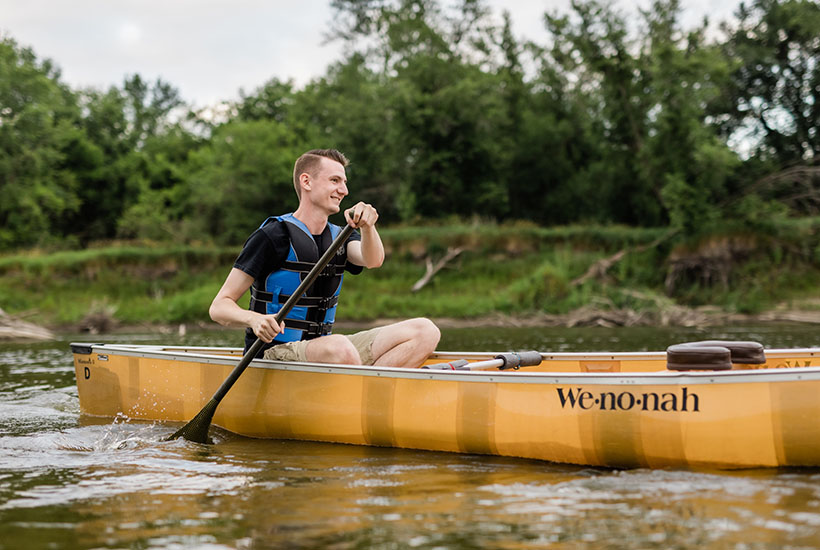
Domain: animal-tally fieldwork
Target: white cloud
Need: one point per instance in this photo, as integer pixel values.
(129, 34)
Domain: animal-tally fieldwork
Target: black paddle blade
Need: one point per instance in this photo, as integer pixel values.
(197, 429)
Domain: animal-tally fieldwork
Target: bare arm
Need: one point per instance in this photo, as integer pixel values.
(225, 310)
(369, 252)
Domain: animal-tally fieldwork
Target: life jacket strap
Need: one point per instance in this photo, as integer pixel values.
(331, 270)
(305, 301)
(310, 329)
(321, 303)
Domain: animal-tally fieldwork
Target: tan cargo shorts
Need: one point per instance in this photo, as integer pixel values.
(295, 351)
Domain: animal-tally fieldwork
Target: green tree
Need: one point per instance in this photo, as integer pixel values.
(776, 85)
(661, 159)
(446, 114)
(242, 176)
(40, 145)
(143, 146)
(351, 108)
(354, 109)
(160, 210)
(272, 101)
(556, 175)
(772, 109)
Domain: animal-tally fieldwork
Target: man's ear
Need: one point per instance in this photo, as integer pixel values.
(304, 180)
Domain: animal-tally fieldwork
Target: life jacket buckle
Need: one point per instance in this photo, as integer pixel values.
(326, 303)
(319, 329)
(332, 270)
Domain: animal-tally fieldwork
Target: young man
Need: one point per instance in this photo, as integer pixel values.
(285, 247)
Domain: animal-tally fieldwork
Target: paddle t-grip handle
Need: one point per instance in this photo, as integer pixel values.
(513, 360)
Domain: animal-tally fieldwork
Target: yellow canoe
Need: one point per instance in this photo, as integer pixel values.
(599, 409)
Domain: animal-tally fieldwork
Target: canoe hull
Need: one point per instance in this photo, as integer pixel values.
(733, 419)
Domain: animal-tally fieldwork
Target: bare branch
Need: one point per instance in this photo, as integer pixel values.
(451, 254)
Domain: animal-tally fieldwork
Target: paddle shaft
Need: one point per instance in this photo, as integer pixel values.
(504, 361)
(306, 283)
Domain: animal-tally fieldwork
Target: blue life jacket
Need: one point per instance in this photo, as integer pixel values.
(314, 313)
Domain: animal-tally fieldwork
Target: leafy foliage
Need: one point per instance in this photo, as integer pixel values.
(39, 146)
(609, 119)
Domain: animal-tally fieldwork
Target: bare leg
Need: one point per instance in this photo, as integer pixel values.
(334, 348)
(405, 344)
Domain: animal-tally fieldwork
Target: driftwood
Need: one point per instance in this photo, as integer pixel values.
(432, 269)
(790, 316)
(598, 269)
(592, 317)
(13, 328)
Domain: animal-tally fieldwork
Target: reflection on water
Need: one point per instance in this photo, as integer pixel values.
(70, 481)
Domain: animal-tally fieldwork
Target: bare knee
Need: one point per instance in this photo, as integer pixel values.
(334, 348)
(425, 333)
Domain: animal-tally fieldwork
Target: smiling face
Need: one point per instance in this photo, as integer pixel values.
(326, 185)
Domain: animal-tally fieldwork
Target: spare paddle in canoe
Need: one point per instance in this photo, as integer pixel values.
(503, 361)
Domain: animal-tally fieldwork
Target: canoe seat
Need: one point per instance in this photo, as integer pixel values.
(710, 354)
(745, 353)
(689, 357)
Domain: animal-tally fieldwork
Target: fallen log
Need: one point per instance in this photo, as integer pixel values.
(598, 270)
(13, 328)
(433, 269)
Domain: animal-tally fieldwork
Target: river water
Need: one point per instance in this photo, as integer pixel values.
(71, 481)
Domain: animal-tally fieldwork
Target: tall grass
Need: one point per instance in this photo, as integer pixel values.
(516, 269)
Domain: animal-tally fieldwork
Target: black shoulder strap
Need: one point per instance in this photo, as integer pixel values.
(302, 243)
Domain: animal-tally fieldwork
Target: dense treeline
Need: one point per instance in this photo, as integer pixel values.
(608, 118)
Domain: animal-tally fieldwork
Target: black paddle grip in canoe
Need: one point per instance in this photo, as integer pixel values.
(513, 360)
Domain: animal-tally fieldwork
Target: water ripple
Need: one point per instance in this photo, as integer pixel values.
(72, 481)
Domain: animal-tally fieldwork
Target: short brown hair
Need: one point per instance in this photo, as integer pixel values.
(309, 161)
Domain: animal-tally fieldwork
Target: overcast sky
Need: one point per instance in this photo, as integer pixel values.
(209, 49)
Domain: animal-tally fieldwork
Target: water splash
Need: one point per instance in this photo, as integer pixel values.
(117, 436)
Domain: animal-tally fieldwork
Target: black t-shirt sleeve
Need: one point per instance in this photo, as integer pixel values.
(265, 250)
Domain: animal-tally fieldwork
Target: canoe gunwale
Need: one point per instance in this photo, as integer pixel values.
(662, 377)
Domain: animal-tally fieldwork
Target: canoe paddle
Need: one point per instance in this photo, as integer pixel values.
(197, 429)
(504, 361)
